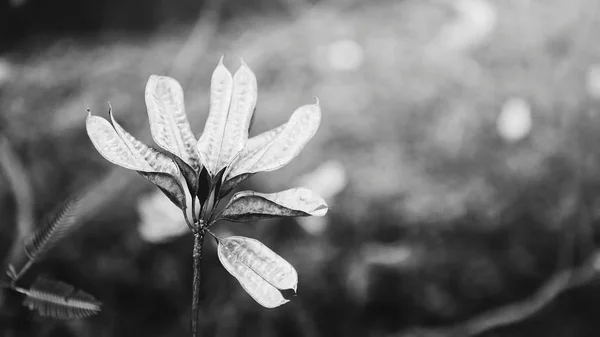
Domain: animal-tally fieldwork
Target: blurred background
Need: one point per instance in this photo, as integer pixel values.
(458, 151)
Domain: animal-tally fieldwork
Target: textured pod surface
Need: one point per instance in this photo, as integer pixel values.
(121, 148)
(253, 145)
(111, 146)
(285, 145)
(243, 102)
(250, 205)
(158, 162)
(260, 271)
(169, 125)
(209, 144)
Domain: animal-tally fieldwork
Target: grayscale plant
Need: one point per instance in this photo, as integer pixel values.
(52, 298)
(209, 168)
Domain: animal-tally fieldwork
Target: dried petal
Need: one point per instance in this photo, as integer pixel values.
(243, 102)
(121, 148)
(284, 147)
(260, 271)
(249, 205)
(158, 162)
(254, 145)
(111, 146)
(168, 121)
(209, 144)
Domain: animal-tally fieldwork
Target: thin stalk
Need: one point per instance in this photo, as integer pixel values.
(198, 240)
(187, 221)
(24, 269)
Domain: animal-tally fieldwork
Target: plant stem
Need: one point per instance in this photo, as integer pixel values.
(23, 270)
(198, 240)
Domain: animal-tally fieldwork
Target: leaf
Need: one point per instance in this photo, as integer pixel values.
(209, 144)
(288, 140)
(191, 176)
(204, 182)
(59, 300)
(230, 184)
(169, 186)
(260, 271)
(250, 206)
(243, 102)
(53, 229)
(168, 120)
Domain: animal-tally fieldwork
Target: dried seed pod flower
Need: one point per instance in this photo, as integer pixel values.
(209, 168)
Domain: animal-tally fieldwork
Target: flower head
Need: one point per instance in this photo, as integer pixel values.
(217, 162)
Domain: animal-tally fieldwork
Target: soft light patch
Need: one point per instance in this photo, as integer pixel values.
(160, 219)
(474, 23)
(5, 71)
(593, 81)
(514, 121)
(345, 55)
(327, 180)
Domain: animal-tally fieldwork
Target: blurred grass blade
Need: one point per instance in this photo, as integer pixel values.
(243, 102)
(260, 271)
(52, 230)
(59, 300)
(249, 205)
(168, 120)
(209, 144)
(285, 146)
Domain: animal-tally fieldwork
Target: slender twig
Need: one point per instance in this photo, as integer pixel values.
(24, 269)
(513, 313)
(198, 240)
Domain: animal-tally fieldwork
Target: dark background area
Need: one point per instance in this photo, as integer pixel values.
(458, 151)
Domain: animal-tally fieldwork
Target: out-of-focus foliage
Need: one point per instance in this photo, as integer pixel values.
(59, 300)
(442, 215)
